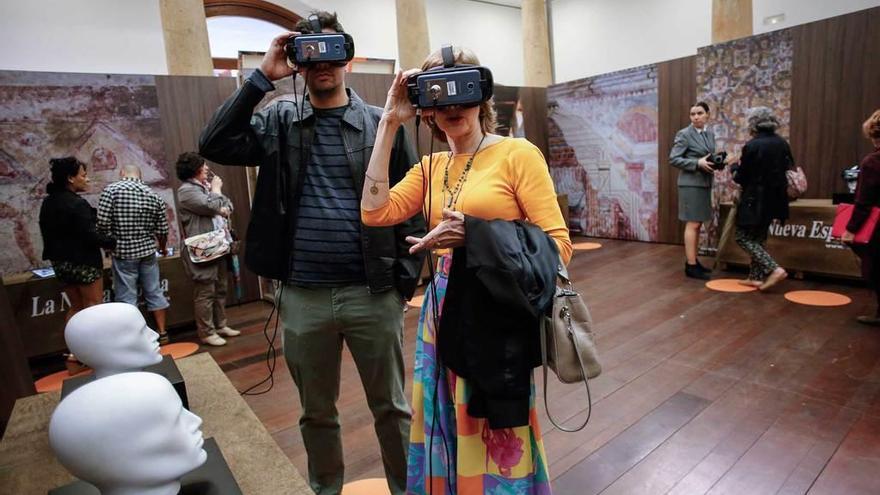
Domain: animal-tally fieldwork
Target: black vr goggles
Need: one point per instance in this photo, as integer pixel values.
(451, 84)
(334, 48)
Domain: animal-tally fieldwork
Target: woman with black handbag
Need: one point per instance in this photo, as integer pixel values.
(761, 174)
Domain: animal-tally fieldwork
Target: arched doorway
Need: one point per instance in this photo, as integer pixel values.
(254, 21)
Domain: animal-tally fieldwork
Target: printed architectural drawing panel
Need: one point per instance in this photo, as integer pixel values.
(105, 121)
(603, 152)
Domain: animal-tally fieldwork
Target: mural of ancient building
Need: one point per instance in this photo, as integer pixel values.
(603, 152)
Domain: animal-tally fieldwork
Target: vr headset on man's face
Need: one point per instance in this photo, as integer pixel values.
(450, 84)
(316, 48)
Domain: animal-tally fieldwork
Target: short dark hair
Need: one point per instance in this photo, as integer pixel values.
(326, 19)
(188, 165)
(61, 170)
(702, 104)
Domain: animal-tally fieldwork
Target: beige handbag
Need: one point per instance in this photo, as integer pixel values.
(568, 334)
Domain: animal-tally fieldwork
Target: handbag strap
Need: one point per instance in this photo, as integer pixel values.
(583, 372)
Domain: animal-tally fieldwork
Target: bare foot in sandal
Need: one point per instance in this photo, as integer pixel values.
(749, 282)
(778, 275)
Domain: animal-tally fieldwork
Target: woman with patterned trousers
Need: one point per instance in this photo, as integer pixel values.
(761, 174)
(484, 176)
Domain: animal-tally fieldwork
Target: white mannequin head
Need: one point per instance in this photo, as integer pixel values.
(112, 338)
(127, 434)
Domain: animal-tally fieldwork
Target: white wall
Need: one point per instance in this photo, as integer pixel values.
(801, 11)
(372, 23)
(598, 36)
(493, 32)
(105, 36)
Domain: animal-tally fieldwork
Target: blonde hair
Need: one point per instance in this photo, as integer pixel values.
(488, 116)
(871, 127)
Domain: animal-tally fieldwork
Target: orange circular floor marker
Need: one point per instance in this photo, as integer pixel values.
(817, 298)
(728, 285)
(52, 383)
(585, 246)
(372, 486)
(416, 301)
(179, 350)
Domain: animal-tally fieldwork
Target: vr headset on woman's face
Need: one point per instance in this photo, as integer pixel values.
(450, 84)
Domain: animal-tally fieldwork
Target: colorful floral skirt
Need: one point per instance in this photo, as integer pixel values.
(452, 453)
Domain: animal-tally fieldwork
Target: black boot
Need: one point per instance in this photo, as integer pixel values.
(693, 271)
(703, 268)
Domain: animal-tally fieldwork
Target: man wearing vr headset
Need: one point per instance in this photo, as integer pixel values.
(341, 281)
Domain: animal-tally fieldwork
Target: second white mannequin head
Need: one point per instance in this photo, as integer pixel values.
(127, 434)
(112, 338)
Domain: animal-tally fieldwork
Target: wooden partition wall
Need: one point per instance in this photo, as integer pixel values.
(676, 91)
(835, 87)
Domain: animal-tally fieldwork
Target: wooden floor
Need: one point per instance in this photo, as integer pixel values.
(702, 392)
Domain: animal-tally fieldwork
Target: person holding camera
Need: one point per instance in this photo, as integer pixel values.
(761, 174)
(469, 436)
(693, 152)
(341, 282)
(202, 207)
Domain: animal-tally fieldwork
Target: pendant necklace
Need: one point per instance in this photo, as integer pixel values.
(455, 191)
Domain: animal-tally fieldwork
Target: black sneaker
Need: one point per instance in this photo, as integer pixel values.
(693, 271)
(701, 268)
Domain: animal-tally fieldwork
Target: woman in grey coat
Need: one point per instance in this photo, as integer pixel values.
(202, 207)
(690, 152)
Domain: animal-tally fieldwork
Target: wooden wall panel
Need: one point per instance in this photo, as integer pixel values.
(534, 102)
(186, 104)
(836, 86)
(17, 379)
(676, 92)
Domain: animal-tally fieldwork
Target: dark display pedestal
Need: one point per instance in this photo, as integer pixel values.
(167, 368)
(212, 478)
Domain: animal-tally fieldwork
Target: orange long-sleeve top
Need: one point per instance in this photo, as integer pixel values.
(508, 180)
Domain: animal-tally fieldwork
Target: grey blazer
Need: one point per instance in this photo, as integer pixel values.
(688, 148)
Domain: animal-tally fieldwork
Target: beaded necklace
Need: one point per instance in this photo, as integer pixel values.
(455, 191)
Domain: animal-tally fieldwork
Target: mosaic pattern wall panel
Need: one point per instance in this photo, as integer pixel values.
(603, 152)
(105, 121)
(734, 77)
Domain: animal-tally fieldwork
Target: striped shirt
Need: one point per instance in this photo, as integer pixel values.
(327, 242)
(130, 212)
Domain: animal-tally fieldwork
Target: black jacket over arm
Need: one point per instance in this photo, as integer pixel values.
(68, 224)
(501, 283)
(278, 139)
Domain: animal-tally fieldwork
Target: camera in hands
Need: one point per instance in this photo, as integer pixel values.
(451, 84)
(716, 160)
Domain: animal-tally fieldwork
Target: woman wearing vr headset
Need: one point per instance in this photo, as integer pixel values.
(464, 437)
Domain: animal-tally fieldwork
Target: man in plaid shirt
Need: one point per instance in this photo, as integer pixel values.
(135, 216)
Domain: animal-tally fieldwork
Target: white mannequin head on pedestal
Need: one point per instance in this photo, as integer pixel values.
(112, 338)
(127, 434)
